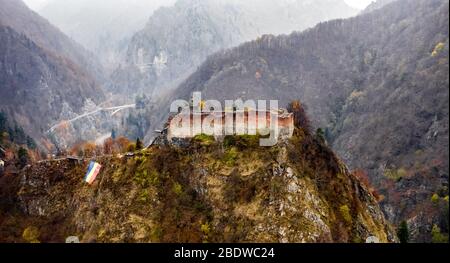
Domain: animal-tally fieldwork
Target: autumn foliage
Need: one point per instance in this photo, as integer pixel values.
(301, 119)
(363, 177)
(109, 147)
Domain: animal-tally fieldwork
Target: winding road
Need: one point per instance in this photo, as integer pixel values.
(114, 109)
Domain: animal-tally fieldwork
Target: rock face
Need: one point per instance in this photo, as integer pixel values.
(102, 26)
(177, 39)
(207, 191)
(381, 98)
(43, 74)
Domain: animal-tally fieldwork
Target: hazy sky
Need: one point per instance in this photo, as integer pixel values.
(360, 4)
(35, 4)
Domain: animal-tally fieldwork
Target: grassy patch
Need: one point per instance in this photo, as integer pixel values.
(204, 140)
(242, 141)
(345, 213)
(177, 189)
(230, 157)
(146, 177)
(31, 234)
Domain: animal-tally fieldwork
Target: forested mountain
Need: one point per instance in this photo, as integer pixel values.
(43, 74)
(102, 26)
(15, 14)
(177, 39)
(377, 84)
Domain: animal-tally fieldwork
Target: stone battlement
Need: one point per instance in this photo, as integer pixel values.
(251, 122)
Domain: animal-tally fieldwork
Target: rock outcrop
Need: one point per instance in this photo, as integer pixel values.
(234, 191)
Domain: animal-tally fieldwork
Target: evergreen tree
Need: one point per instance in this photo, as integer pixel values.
(403, 232)
(31, 143)
(139, 144)
(320, 134)
(23, 156)
(113, 134)
(3, 122)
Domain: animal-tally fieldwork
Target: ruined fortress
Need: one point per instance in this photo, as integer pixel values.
(220, 124)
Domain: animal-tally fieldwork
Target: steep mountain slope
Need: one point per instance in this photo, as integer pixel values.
(15, 14)
(102, 26)
(206, 192)
(36, 85)
(43, 74)
(378, 85)
(178, 39)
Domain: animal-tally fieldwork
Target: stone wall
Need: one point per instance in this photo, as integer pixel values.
(228, 123)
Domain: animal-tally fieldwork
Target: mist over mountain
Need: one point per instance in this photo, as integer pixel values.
(157, 58)
(36, 5)
(177, 39)
(43, 74)
(102, 26)
(15, 14)
(376, 84)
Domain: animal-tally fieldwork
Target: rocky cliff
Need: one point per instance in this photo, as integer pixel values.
(207, 191)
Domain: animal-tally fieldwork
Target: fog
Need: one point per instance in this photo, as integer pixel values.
(105, 27)
(39, 4)
(102, 26)
(360, 4)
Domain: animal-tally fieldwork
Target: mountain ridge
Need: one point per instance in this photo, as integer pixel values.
(166, 51)
(102, 26)
(15, 14)
(44, 68)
